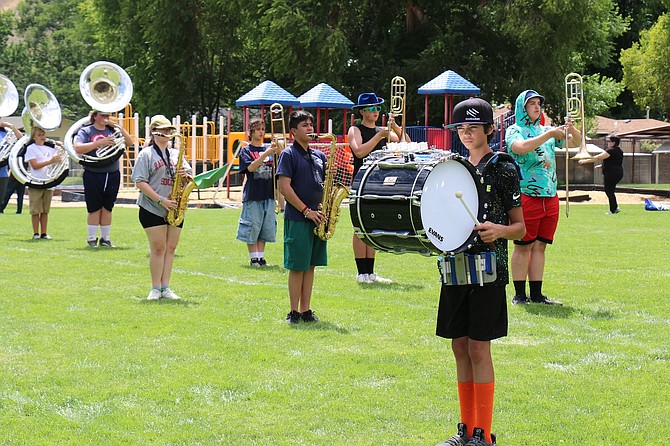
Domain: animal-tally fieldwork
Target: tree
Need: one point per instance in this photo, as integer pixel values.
(646, 67)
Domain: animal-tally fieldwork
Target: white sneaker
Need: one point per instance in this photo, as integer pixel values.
(154, 294)
(363, 278)
(169, 294)
(375, 278)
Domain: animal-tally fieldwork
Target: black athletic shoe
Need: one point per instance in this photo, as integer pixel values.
(293, 317)
(262, 261)
(309, 316)
(255, 263)
(460, 439)
(542, 299)
(478, 439)
(519, 300)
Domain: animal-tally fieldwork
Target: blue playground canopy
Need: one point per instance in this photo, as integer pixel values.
(267, 93)
(324, 96)
(449, 82)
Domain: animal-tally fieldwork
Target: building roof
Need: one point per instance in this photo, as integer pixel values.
(325, 96)
(267, 93)
(633, 128)
(449, 82)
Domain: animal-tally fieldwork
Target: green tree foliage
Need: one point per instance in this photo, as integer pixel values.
(646, 67)
(199, 56)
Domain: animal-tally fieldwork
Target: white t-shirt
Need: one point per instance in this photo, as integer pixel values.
(39, 154)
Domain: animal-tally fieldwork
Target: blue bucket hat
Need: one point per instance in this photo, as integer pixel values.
(367, 100)
(533, 94)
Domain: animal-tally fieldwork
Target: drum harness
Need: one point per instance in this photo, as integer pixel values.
(479, 268)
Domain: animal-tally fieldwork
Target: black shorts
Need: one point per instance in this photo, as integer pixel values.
(149, 219)
(101, 189)
(478, 312)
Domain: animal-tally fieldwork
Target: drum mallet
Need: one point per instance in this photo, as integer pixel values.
(459, 195)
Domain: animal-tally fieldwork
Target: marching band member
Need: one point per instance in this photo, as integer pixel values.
(39, 156)
(473, 315)
(533, 146)
(365, 138)
(101, 184)
(612, 166)
(258, 220)
(154, 174)
(301, 173)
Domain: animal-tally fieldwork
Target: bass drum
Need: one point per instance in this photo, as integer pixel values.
(402, 206)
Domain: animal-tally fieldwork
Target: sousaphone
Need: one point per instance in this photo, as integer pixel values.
(42, 110)
(107, 88)
(9, 102)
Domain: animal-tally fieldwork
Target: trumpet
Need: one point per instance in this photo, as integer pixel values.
(574, 105)
(276, 116)
(398, 99)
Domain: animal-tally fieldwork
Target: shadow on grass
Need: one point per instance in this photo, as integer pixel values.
(320, 326)
(395, 286)
(179, 302)
(560, 312)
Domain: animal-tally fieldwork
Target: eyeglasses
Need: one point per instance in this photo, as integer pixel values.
(374, 108)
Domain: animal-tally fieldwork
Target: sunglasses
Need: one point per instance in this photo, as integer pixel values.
(374, 108)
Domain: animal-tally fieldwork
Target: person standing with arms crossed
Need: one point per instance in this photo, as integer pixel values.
(365, 138)
(533, 146)
(301, 173)
(101, 184)
(612, 165)
(258, 220)
(472, 315)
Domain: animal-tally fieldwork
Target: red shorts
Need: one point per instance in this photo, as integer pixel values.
(541, 217)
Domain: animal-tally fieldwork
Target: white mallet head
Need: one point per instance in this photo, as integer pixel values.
(459, 194)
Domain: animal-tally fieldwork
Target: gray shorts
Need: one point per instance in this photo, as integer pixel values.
(258, 222)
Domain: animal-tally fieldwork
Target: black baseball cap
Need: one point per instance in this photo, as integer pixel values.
(472, 111)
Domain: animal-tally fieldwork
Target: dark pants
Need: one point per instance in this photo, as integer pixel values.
(14, 186)
(3, 189)
(611, 180)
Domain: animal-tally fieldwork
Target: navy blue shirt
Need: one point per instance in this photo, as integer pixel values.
(258, 186)
(306, 169)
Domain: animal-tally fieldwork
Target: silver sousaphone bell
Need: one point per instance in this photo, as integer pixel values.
(9, 102)
(107, 88)
(42, 110)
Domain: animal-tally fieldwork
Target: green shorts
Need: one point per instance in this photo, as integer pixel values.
(302, 248)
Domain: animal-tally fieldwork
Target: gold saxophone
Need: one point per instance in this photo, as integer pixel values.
(182, 185)
(333, 194)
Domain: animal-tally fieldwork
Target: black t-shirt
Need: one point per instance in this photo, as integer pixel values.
(502, 193)
(367, 133)
(614, 163)
(258, 186)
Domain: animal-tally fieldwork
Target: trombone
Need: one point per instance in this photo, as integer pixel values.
(398, 99)
(574, 106)
(276, 116)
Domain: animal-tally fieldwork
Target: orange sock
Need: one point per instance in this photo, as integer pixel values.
(466, 400)
(484, 407)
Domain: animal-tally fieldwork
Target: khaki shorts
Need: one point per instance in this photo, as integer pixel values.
(40, 200)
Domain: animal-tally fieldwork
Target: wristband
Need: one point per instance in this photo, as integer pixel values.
(306, 213)
(160, 200)
(304, 209)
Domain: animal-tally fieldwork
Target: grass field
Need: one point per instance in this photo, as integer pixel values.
(85, 360)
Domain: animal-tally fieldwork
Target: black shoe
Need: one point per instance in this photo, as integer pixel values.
(107, 243)
(309, 316)
(542, 299)
(293, 317)
(460, 439)
(478, 439)
(255, 263)
(519, 300)
(262, 261)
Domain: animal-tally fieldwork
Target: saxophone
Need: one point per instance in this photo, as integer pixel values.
(182, 185)
(333, 194)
